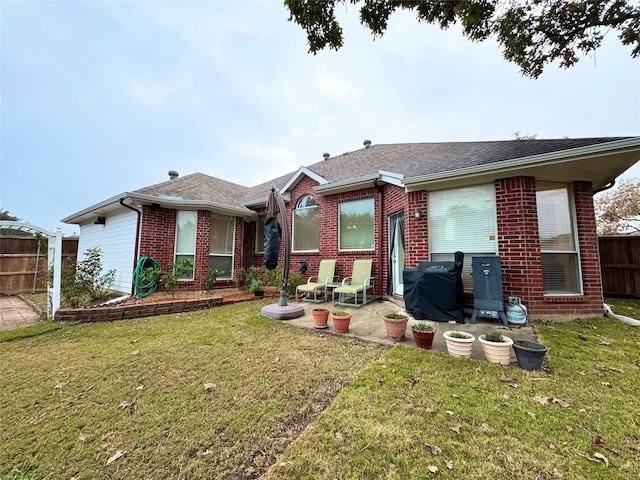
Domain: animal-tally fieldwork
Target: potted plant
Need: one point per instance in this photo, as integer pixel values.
(320, 317)
(396, 325)
(341, 321)
(256, 287)
(459, 344)
(530, 355)
(496, 347)
(423, 334)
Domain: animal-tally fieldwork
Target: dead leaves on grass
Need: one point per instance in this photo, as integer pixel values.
(634, 446)
(456, 428)
(563, 402)
(435, 449)
(115, 456)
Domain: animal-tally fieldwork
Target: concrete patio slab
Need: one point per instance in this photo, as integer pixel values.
(367, 324)
(16, 312)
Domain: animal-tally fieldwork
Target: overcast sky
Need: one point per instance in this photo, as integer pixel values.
(102, 97)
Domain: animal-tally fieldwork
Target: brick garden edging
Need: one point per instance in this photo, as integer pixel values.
(122, 312)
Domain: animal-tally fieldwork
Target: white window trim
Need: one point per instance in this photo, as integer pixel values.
(176, 253)
(574, 222)
(233, 246)
(340, 249)
(468, 282)
(293, 226)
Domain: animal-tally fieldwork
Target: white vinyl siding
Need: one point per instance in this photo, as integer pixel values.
(116, 240)
(560, 265)
(463, 219)
(186, 223)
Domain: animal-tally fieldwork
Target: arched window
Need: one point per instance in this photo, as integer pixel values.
(306, 225)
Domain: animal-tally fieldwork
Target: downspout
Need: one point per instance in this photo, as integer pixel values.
(137, 242)
(631, 321)
(606, 187)
(378, 187)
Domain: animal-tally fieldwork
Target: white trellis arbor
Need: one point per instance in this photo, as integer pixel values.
(54, 260)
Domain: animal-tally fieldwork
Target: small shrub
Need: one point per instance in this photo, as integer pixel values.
(183, 268)
(422, 327)
(89, 275)
(494, 336)
(211, 279)
(256, 285)
(82, 282)
(295, 279)
(340, 313)
(457, 334)
(396, 316)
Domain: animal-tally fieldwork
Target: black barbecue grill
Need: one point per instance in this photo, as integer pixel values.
(487, 288)
(433, 290)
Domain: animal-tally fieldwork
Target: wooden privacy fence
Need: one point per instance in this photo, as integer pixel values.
(20, 262)
(620, 265)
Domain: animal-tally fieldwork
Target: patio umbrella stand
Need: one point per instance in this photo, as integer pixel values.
(281, 310)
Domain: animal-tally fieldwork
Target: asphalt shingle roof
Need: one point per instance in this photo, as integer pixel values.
(409, 159)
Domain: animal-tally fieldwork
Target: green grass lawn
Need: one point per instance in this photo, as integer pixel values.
(227, 394)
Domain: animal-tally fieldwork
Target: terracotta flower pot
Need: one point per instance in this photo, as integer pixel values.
(424, 338)
(320, 317)
(341, 323)
(497, 352)
(396, 327)
(459, 347)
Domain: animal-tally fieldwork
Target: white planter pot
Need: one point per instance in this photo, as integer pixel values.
(459, 347)
(497, 352)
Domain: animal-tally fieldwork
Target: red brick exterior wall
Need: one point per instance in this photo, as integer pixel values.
(416, 229)
(157, 240)
(517, 229)
(328, 244)
(158, 234)
(519, 249)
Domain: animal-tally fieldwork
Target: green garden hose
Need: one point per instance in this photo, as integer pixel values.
(145, 276)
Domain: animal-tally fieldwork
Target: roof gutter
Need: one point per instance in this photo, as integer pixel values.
(524, 163)
(170, 202)
(606, 187)
(351, 184)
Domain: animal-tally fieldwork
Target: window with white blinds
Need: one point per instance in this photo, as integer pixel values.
(306, 225)
(462, 219)
(560, 266)
(221, 247)
(186, 222)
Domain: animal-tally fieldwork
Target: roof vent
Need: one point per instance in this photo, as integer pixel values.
(326, 155)
(367, 143)
(173, 174)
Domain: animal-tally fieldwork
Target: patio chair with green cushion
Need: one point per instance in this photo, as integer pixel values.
(315, 285)
(356, 290)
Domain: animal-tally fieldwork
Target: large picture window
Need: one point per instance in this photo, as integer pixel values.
(462, 219)
(186, 222)
(560, 266)
(356, 225)
(306, 225)
(221, 248)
